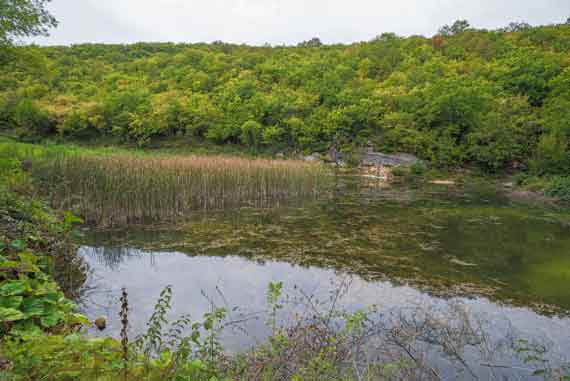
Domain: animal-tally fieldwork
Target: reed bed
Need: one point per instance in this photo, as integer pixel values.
(118, 189)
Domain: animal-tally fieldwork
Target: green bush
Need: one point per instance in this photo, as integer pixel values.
(552, 156)
(559, 187)
(399, 171)
(30, 299)
(78, 126)
(417, 169)
(251, 134)
(30, 121)
(522, 178)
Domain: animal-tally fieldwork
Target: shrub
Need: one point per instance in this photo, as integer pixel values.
(251, 134)
(30, 299)
(77, 125)
(559, 187)
(31, 121)
(552, 156)
(417, 168)
(398, 171)
(522, 178)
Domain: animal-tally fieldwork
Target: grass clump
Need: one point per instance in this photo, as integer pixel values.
(126, 188)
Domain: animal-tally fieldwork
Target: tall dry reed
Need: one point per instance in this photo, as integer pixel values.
(126, 188)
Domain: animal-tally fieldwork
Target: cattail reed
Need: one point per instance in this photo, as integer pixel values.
(117, 189)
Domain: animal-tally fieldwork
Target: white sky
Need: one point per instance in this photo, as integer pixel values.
(281, 21)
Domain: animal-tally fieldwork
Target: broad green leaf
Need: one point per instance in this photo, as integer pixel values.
(52, 319)
(10, 314)
(11, 302)
(77, 319)
(8, 265)
(52, 297)
(13, 287)
(73, 338)
(26, 329)
(198, 364)
(29, 258)
(77, 234)
(70, 220)
(17, 244)
(33, 307)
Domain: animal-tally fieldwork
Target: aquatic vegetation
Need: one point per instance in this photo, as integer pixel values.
(124, 188)
(429, 237)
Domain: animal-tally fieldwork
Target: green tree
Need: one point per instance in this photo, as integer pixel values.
(30, 120)
(553, 153)
(508, 134)
(314, 42)
(201, 114)
(517, 27)
(452, 109)
(24, 18)
(487, 98)
(527, 71)
(457, 27)
(251, 134)
(123, 108)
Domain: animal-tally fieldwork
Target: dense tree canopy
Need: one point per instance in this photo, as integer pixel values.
(494, 99)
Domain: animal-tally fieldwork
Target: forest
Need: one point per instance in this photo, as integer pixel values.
(117, 193)
(496, 100)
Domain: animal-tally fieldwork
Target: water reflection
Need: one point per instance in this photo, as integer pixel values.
(454, 243)
(407, 250)
(238, 282)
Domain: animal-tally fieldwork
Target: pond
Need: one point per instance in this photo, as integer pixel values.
(399, 248)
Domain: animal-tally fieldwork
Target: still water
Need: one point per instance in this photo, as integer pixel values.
(430, 247)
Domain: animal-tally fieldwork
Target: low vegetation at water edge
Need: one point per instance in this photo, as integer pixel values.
(120, 189)
(124, 187)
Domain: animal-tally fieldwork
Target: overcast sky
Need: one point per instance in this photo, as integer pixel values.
(281, 21)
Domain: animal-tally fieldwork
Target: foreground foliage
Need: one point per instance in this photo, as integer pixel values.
(325, 343)
(23, 18)
(34, 248)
